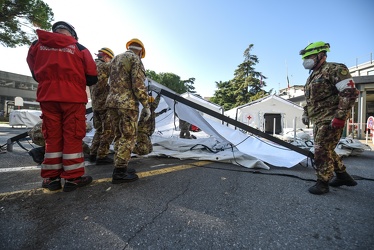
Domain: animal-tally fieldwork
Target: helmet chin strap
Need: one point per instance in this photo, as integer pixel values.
(318, 61)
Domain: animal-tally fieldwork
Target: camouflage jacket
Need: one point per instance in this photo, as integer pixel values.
(330, 93)
(126, 80)
(99, 91)
(148, 126)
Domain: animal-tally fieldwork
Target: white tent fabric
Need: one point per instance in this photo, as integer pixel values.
(216, 142)
(24, 117)
(205, 103)
(249, 145)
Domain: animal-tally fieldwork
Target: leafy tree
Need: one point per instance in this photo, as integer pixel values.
(172, 81)
(246, 86)
(153, 75)
(225, 95)
(17, 19)
(189, 85)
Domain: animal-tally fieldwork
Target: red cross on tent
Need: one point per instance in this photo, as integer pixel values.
(249, 117)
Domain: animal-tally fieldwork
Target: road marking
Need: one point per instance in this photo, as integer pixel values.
(3, 170)
(140, 174)
(161, 171)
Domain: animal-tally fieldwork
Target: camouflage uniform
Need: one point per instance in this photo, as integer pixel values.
(185, 129)
(103, 135)
(146, 129)
(330, 93)
(127, 89)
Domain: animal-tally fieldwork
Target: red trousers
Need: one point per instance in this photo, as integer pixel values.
(64, 127)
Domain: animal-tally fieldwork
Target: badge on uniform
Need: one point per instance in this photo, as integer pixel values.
(344, 72)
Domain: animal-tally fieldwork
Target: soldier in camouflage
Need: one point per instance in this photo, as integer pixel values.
(147, 127)
(127, 89)
(330, 94)
(103, 132)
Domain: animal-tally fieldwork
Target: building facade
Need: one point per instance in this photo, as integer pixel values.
(16, 85)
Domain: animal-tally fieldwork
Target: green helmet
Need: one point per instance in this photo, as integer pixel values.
(314, 48)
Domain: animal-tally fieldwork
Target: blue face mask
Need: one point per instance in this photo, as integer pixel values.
(309, 63)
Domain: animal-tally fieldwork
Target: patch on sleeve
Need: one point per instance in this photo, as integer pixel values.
(344, 72)
(345, 84)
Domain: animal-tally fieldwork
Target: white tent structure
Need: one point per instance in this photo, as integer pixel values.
(271, 114)
(205, 103)
(216, 142)
(24, 117)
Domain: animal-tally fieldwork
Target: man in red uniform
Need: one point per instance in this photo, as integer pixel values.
(63, 68)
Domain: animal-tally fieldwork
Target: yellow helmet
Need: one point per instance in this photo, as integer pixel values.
(107, 51)
(136, 40)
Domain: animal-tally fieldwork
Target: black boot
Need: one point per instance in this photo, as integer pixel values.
(72, 184)
(321, 187)
(121, 175)
(104, 161)
(92, 158)
(342, 179)
(37, 154)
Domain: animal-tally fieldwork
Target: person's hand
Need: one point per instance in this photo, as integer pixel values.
(305, 119)
(147, 112)
(337, 123)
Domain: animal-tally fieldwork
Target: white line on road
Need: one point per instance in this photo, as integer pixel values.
(3, 170)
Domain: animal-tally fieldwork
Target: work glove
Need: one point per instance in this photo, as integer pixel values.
(305, 119)
(337, 123)
(147, 112)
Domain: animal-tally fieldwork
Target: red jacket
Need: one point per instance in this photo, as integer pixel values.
(62, 67)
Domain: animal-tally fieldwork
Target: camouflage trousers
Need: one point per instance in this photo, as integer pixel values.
(103, 134)
(143, 144)
(125, 126)
(325, 159)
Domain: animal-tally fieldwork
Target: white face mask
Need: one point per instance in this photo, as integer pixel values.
(309, 63)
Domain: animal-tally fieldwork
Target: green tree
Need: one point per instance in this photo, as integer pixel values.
(246, 86)
(152, 75)
(189, 85)
(172, 81)
(17, 19)
(224, 95)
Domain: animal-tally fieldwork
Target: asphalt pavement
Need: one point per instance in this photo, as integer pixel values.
(184, 204)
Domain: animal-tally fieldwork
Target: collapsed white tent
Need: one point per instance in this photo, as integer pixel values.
(215, 142)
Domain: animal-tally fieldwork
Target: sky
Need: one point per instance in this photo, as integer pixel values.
(206, 39)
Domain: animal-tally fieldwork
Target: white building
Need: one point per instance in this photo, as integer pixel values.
(364, 69)
(271, 114)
